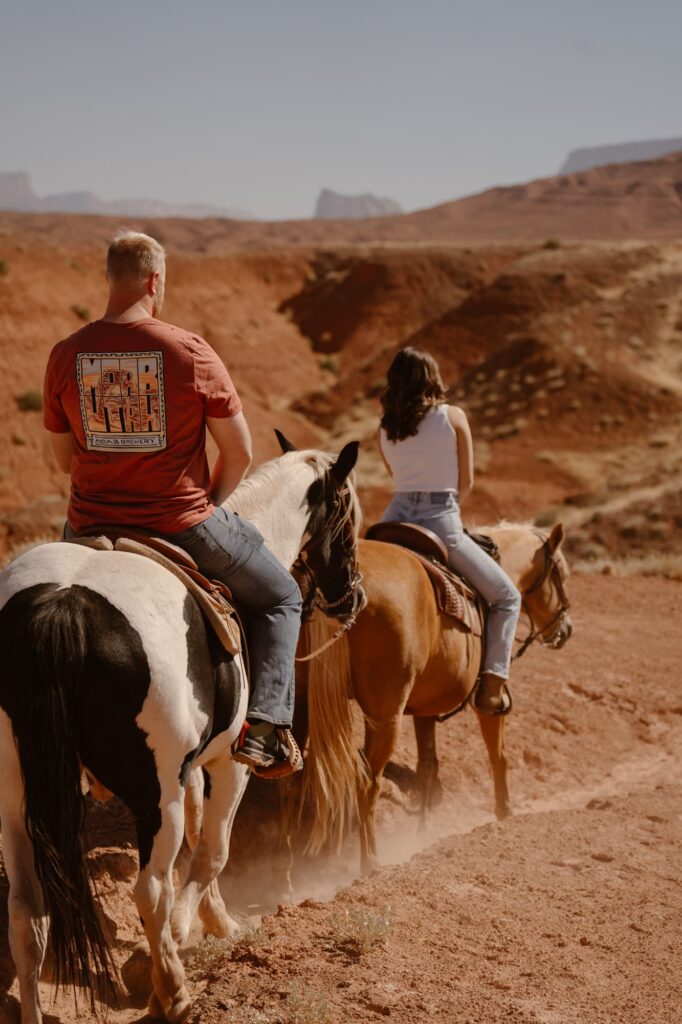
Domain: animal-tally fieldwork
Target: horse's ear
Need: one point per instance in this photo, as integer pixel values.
(344, 463)
(284, 443)
(556, 537)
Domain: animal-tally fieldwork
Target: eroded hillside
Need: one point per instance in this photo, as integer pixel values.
(567, 359)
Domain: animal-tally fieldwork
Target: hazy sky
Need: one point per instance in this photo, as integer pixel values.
(257, 104)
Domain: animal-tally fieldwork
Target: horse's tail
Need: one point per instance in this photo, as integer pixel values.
(46, 638)
(334, 766)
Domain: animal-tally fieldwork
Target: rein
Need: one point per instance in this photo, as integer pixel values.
(550, 571)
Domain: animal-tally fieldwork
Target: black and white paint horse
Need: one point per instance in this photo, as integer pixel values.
(107, 664)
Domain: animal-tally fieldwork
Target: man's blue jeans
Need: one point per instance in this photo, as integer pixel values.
(231, 549)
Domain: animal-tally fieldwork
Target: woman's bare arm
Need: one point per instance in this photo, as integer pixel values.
(465, 450)
(381, 453)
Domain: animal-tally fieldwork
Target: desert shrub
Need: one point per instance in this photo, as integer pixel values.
(82, 312)
(208, 956)
(306, 1006)
(4, 269)
(357, 929)
(30, 401)
(552, 243)
(329, 363)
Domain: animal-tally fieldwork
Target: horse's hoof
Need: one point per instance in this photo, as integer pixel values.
(179, 1008)
(154, 1007)
(176, 1012)
(223, 927)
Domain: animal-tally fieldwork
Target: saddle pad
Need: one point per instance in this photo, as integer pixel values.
(212, 596)
(453, 596)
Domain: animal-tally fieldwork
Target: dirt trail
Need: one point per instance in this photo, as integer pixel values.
(569, 913)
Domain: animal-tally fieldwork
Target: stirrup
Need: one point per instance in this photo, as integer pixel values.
(280, 769)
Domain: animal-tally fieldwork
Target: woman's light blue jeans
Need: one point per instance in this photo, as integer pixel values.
(438, 511)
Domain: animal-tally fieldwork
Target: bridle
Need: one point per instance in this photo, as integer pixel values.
(339, 522)
(552, 571)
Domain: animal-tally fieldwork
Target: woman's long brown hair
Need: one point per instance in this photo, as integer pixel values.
(414, 386)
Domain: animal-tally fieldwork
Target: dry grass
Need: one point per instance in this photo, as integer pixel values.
(357, 929)
(306, 1005)
(209, 955)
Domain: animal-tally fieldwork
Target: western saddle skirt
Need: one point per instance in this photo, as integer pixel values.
(454, 597)
(212, 596)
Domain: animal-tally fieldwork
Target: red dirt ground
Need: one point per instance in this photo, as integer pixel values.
(567, 913)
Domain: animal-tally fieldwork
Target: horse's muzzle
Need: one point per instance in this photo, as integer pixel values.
(563, 635)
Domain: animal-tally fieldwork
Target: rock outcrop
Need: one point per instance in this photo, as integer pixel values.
(16, 193)
(621, 153)
(334, 206)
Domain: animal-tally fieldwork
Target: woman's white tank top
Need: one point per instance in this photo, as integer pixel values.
(428, 460)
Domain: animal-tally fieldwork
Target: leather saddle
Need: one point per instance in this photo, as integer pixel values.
(454, 597)
(212, 596)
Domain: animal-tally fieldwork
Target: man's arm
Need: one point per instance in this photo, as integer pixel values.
(233, 439)
(62, 448)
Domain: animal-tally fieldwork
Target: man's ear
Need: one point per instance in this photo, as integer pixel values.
(284, 442)
(344, 463)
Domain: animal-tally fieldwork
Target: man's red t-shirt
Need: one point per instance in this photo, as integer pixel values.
(135, 397)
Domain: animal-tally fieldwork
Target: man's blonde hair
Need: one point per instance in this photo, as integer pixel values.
(134, 255)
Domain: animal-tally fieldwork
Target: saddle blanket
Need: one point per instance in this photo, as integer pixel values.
(453, 596)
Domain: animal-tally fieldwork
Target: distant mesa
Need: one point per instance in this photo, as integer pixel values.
(334, 206)
(622, 153)
(16, 193)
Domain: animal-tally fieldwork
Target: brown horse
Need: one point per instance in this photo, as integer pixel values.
(405, 657)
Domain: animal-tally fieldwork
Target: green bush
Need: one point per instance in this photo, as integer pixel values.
(82, 312)
(30, 401)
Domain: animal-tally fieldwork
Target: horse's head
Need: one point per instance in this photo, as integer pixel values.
(543, 589)
(327, 565)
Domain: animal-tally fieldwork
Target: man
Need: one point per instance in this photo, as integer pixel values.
(128, 400)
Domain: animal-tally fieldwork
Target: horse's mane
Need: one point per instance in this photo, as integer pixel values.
(265, 477)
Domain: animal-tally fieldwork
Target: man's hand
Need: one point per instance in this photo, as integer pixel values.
(234, 454)
(62, 447)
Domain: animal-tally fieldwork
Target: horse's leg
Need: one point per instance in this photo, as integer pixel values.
(427, 765)
(154, 898)
(28, 924)
(226, 782)
(380, 742)
(212, 905)
(492, 729)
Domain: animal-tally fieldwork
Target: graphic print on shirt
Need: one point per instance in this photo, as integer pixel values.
(122, 401)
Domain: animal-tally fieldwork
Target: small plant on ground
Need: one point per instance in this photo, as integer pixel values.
(329, 363)
(552, 243)
(82, 312)
(357, 929)
(208, 955)
(306, 1006)
(4, 269)
(30, 401)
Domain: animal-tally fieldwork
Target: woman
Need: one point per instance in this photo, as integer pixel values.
(426, 446)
